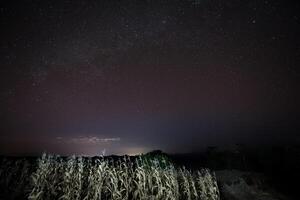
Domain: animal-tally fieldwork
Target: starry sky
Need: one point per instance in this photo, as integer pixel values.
(127, 77)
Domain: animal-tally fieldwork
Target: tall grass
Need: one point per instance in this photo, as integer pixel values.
(14, 177)
(125, 178)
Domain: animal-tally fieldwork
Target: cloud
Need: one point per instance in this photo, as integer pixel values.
(86, 140)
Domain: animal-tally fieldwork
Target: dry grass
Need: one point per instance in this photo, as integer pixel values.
(138, 178)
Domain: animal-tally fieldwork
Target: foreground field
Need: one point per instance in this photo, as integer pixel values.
(76, 178)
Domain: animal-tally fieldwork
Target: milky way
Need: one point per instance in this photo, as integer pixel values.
(141, 75)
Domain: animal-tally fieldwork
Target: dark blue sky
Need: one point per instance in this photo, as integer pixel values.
(133, 76)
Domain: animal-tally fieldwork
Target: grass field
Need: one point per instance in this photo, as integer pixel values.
(117, 178)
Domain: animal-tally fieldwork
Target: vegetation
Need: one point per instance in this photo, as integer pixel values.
(142, 177)
(14, 177)
(145, 177)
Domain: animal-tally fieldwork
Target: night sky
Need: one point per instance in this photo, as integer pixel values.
(127, 77)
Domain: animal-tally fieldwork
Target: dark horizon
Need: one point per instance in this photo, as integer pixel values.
(134, 76)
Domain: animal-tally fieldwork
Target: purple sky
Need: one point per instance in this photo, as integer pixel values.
(133, 76)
